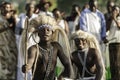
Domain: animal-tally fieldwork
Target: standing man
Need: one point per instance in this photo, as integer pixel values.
(42, 57)
(93, 21)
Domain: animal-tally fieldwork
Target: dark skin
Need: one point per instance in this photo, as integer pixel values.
(93, 60)
(93, 5)
(45, 43)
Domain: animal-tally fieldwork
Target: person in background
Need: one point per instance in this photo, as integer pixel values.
(39, 6)
(93, 21)
(60, 21)
(110, 4)
(73, 19)
(114, 43)
(108, 15)
(44, 8)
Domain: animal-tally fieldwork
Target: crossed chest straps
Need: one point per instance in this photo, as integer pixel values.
(83, 62)
(47, 66)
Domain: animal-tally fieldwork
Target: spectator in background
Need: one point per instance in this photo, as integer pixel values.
(114, 43)
(108, 19)
(30, 8)
(110, 4)
(60, 21)
(43, 8)
(93, 21)
(73, 19)
(39, 6)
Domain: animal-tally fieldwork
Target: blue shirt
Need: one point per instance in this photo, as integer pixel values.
(83, 21)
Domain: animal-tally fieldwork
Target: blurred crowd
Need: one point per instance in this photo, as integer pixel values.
(105, 27)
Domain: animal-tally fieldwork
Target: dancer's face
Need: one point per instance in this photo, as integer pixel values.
(80, 43)
(45, 34)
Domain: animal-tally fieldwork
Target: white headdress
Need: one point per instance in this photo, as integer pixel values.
(47, 21)
(91, 42)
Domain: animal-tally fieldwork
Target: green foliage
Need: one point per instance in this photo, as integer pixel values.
(54, 4)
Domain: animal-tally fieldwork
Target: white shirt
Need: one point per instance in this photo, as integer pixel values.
(114, 32)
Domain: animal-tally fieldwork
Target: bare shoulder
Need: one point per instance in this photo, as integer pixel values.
(33, 48)
(93, 52)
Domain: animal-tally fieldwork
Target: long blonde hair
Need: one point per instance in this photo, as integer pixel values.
(91, 42)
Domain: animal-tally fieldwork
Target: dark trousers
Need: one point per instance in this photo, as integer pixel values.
(114, 51)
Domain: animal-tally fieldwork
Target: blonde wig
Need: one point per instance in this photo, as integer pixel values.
(91, 43)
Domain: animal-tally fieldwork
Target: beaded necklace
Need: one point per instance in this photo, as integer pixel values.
(49, 64)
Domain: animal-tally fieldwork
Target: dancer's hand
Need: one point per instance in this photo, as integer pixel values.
(25, 68)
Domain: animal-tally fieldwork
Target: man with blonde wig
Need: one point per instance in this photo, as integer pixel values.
(87, 57)
(42, 57)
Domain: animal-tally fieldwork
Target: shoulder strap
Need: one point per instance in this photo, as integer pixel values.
(83, 62)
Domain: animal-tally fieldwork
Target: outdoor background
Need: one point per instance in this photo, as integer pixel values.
(64, 5)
